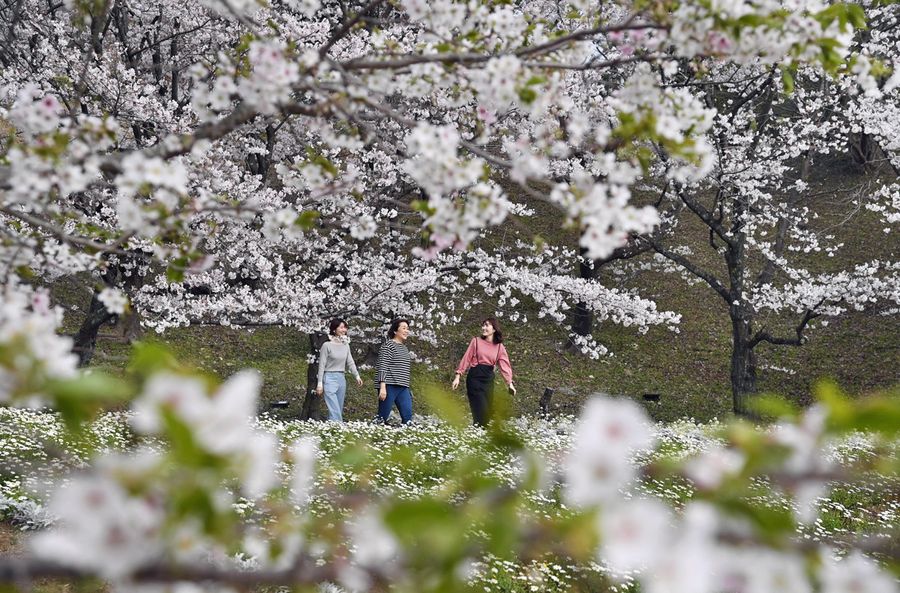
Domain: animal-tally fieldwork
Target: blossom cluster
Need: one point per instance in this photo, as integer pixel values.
(31, 352)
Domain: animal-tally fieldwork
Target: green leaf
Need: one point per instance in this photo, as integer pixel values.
(527, 95)
(92, 387)
(447, 405)
(840, 408)
(856, 15)
(429, 525)
(318, 159)
(79, 399)
(423, 207)
(579, 532)
(175, 270)
(183, 447)
(773, 406)
(307, 219)
(151, 357)
(25, 272)
(879, 415)
(770, 520)
(787, 79)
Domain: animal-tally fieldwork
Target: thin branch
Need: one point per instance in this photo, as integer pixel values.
(305, 572)
(763, 335)
(690, 267)
(707, 217)
(65, 237)
(468, 58)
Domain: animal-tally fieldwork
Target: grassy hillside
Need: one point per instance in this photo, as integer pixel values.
(689, 369)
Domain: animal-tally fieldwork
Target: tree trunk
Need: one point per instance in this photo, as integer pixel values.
(583, 318)
(311, 409)
(582, 325)
(128, 278)
(173, 54)
(86, 338)
(743, 363)
(862, 151)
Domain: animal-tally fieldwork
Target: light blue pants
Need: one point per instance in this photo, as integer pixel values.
(335, 386)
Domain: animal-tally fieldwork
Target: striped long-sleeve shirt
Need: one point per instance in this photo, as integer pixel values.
(393, 365)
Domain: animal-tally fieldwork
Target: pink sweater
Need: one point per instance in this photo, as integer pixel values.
(487, 353)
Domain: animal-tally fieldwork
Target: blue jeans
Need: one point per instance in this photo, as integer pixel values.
(402, 397)
(335, 385)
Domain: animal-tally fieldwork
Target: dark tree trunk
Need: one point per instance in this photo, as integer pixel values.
(259, 163)
(862, 150)
(128, 280)
(311, 408)
(86, 338)
(173, 54)
(121, 17)
(743, 362)
(582, 317)
(582, 323)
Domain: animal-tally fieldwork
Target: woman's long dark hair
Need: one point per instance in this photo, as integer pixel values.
(395, 325)
(498, 335)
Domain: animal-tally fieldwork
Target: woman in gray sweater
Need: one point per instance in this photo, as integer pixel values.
(334, 359)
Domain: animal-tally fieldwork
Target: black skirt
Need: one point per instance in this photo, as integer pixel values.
(480, 391)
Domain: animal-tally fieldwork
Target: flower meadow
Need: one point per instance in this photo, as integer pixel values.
(419, 461)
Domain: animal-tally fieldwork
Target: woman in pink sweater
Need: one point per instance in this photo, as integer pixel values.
(482, 355)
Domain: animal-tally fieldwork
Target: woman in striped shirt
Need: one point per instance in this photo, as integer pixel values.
(482, 355)
(392, 373)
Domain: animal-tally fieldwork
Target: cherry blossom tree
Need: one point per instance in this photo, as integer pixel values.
(230, 188)
(240, 144)
(324, 75)
(773, 128)
(759, 207)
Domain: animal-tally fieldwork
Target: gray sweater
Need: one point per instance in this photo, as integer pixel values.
(335, 356)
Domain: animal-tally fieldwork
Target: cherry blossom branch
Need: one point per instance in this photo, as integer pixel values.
(131, 54)
(65, 236)
(707, 217)
(542, 48)
(592, 64)
(304, 572)
(689, 266)
(181, 145)
(764, 336)
(627, 25)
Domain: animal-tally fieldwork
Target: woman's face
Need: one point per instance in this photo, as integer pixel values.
(487, 330)
(402, 332)
(341, 330)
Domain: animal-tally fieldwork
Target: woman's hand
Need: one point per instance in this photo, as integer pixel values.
(320, 390)
(455, 384)
(359, 381)
(512, 388)
(382, 394)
